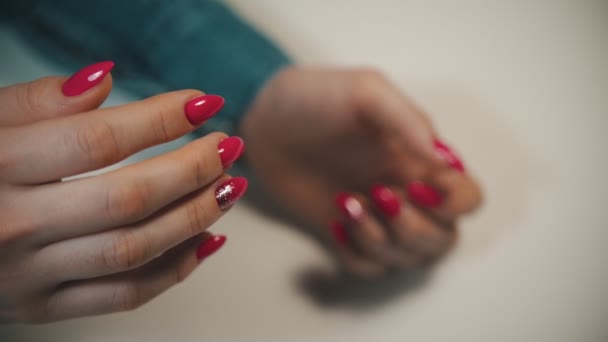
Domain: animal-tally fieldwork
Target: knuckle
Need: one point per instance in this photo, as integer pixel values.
(127, 203)
(201, 170)
(198, 216)
(14, 230)
(98, 142)
(126, 251)
(29, 99)
(367, 84)
(162, 122)
(126, 297)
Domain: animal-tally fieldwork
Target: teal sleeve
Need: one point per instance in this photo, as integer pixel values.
(158, 46)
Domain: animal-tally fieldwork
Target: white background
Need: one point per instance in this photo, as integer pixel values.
(519, 87)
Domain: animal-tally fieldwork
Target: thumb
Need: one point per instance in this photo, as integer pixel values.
(388, 110)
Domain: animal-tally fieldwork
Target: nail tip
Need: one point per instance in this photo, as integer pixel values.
(385, 200)
(424, 195)
(338, 230)
(448, 155)
(231, 191)
(210, 246)
(231, 150)
(80, 81)
(349, 205)
(203, 107)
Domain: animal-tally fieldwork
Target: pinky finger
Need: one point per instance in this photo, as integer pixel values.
(130, 290)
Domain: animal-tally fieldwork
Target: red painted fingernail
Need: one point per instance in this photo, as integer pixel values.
(230, 149)
(386, 200)
(424, 195)
(338, 230)
(203, 107)
(447, 154)
(230, 191)
(210, 246)
(86, 78)
(350, 206)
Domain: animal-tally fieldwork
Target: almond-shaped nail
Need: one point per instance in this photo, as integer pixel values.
(86, 78)
(447, 154)
(230, 191)
(350, 206)
(424, 195)
(386, 201)
(210, 246)
(202, 108)
(230, 149)
(338, 231)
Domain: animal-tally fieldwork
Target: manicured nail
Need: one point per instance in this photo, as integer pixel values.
(230, 149)
(203, 107)
(86, 78)
(210, 246)
(350, 206)
(338, 230)
(447, 154)
(424, 195)
(386, 200)
(230, 191)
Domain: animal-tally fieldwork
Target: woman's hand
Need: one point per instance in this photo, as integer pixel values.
(114, 241)
(347, 152)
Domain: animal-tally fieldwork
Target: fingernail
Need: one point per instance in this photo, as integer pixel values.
(338, 230)
(447, 154)
(210, 246)
(424, 195)
(202, 108)
(350, 206)
(230, 191)
(86, 78)
(386, 200)
(230, 149)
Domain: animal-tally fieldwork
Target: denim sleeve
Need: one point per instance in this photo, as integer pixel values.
(158, 46)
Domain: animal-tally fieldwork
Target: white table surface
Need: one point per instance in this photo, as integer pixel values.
(520, 87)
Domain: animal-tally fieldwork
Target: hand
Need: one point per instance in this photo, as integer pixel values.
(114, 241)
(349, 154)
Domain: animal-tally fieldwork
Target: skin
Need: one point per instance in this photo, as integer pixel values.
(310, 128)
(113, 242)
(106, 243)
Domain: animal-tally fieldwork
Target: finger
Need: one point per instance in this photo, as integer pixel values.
(124, 196)
(96, 139)
(447, 195)
(353, 262)
(46, 98)
(369, 236)
(129, 247)
(385, 107)
(448, 191)
(411, 228)
(130, 290)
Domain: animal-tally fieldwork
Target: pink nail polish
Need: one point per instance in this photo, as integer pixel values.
(386, 201)
(86, 78)
(202, 108)
(210, 246)
(350, 206)
(230, 191)
(447, 154)
(338, 231)
(230, 149)
(424, 195)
